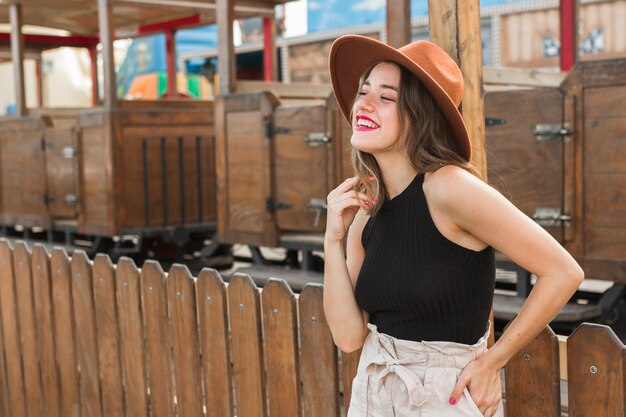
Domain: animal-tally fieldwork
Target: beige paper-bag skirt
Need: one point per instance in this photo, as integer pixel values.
(402, 378)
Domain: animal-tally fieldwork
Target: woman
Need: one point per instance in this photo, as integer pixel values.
(415, 284)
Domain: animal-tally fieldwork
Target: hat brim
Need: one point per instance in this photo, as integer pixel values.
(351, 55)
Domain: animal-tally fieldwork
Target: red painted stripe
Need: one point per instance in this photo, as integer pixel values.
(568, 34)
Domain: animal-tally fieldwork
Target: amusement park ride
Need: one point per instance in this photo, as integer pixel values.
(151, 176)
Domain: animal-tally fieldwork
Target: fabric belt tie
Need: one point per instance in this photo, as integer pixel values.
(387, 363)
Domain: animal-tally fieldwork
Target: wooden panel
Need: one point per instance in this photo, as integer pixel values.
(61, 170)
(349, 365)
(246, 343)
(605, 269)
(64, 333)
(605, 243)
(243, 155)
(86, 337)
(11, 335)
(158, 339)
(214, 343)
(318, 356)
(605, 102)
(605, 200)
(341, 136)
(595, 372)
(108, 325)
(187, 150)
(184, 329)
(532, 378)
(28, 332)
(4, 383)
(603, 73)
(95, 186)
(42, 299)
(301, 169)
(131, 336)
(281, 349)
(527, 171)
(22, 172)
(605, 144)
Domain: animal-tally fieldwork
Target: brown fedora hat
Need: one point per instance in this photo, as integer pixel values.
(351, 55)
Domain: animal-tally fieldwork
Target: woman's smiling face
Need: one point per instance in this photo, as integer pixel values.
(375, 119)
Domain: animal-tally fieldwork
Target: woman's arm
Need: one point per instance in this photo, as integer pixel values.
(347, 322)
(479, 210)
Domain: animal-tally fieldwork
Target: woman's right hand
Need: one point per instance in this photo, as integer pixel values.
(342, 205)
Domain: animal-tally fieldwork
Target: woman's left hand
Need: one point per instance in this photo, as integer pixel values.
(483, 383)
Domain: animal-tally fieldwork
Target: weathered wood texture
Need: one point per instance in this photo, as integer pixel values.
(124, 342)
(147, 166)
(455, 26)
(527, 171)
(532, 378)
(398, 25)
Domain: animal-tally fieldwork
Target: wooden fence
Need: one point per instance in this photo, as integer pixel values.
(94, 340)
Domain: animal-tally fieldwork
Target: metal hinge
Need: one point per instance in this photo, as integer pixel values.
(317, 139)
(272, 205)
(43, 144)
(552, 131)
(549, 216)
(271, 130)
(492, 121)
(317, 205)
(68, 152)
(71, 199)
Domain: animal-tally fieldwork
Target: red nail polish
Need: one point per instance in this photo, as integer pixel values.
(366, 203)
(374, 201)
(371, 178)
(452, 401)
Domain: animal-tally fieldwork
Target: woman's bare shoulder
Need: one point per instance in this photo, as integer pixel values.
(452, 184)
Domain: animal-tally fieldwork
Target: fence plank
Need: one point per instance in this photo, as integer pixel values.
(246, 342)
(64, 333)
(184, 328)
(318, 356)
(12, 349)
(214, 345)
(86, 337)
(349, 365)
(158, 340)
(532, 378)
(280, 326)
(108, 336)
(42, 298)
(28, 332)
(131, 336)
(4, 383)
(595, 371)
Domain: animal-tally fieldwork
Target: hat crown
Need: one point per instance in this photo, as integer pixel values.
(438, 65)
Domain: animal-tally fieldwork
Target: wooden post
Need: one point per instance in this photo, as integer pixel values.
(270, 69)
(105, 20)
(226, 50)
(568, 13)
(95, 91)
(17, 56)
(455, 26)
(398, 22)
(170, 51)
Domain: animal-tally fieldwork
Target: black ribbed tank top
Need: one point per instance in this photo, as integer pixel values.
(415, 283)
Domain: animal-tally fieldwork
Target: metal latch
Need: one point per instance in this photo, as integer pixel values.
(272, 205)
(317, 205)
(68, 152)
(317, 139)
(271, 130)
(71, 198)
(548, 216)
(552, 131)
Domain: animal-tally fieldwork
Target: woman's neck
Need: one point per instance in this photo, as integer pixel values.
(397, 174)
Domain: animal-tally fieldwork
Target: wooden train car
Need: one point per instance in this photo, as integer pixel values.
(123, 172)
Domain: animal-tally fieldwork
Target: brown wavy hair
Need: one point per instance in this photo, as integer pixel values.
(425, 136)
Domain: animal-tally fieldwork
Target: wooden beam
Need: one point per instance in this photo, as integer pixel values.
(170, 52)
(95, 91)
(398, 22)
(17, 56)
(455, 26)
(226, 50)
(105, 21)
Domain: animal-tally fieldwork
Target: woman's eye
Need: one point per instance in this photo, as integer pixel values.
(387, 98)
(360, 93)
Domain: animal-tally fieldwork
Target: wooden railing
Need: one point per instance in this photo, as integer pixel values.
(93, 339)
